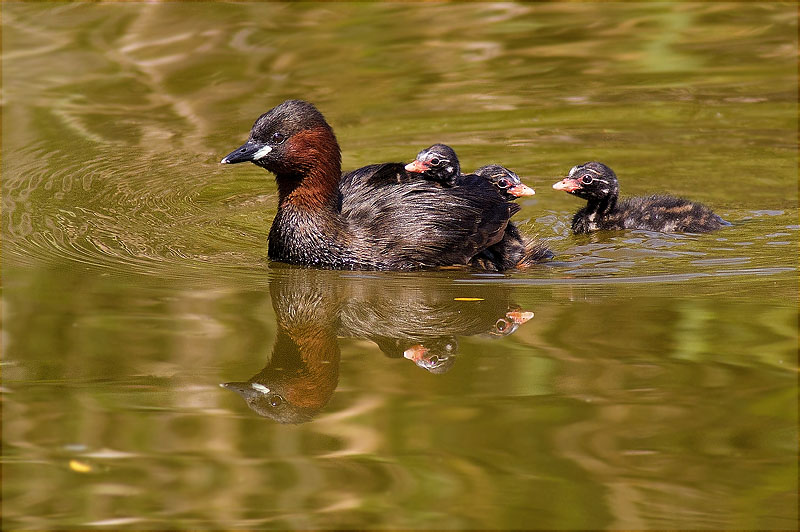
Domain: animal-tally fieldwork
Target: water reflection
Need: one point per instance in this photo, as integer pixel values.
(418, 318)
(655, 389)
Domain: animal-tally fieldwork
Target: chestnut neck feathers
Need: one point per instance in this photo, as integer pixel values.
(374, 217)
(303, 154)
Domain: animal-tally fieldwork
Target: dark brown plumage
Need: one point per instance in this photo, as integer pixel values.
(439, 163)
(364, 219)
(597, 183)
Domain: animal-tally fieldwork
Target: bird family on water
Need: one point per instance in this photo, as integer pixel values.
(425, 214)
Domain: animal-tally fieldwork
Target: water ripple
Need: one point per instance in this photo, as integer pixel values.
(115, 210)
(144, 211)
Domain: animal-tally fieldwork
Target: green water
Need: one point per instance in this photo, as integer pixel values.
(655, 386)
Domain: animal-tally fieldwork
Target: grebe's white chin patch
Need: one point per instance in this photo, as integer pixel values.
(262, 152)
(259, 387)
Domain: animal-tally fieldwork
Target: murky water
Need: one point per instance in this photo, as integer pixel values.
(652, 385)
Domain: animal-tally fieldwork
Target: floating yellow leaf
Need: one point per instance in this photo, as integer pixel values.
(467, 299)
(79, 467)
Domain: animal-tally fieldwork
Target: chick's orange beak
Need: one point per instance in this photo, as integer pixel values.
(415, 352)
(416, 166)
(567, 185)
(521, 190)
(519, 316)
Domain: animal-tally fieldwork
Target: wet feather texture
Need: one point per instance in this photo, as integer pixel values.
(439, 164)
(598, 184)
(379, 217)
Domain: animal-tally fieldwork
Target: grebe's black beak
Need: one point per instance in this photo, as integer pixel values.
(250, 151)
(242, 388)
(521, 190)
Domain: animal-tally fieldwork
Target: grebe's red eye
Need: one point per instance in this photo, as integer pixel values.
(587, 179)
(277, 137)
(275, 401)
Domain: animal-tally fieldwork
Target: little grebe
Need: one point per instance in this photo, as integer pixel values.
(440, 164)
(597, 183)
(367, 218)
(507, 182)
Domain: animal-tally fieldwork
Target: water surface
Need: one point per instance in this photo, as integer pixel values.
(652, 385)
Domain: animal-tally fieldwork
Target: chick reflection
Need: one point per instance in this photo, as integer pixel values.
(438, 355)
(415, 317)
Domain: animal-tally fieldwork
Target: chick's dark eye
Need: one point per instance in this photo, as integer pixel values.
(435, 161)
(277, 137)
(503, 183)
(275, 401)
(587, 179)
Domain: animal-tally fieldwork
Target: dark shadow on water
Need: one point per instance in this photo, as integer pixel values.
(417, 317)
